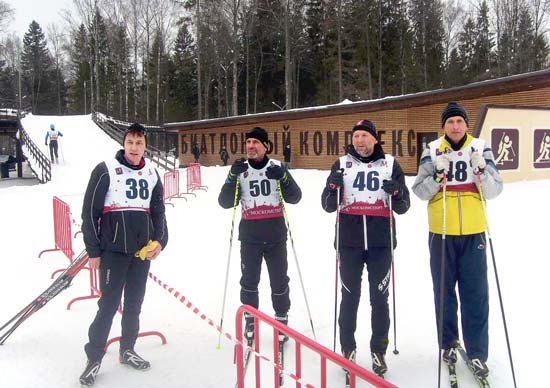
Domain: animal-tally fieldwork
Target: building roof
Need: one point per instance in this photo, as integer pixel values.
(515, 83)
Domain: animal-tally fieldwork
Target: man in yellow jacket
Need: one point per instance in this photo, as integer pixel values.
(464, 165)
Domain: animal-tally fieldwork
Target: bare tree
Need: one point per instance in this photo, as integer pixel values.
(87, 10)
(339, 44)
(164, 23)
(539, 11)
(6, 14)
(288, 59)
(232, 10)
(56, 38)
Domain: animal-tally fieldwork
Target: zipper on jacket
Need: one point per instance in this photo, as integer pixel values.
(459, 201)
(365, 233)
(149, 227)
(116, 232)
(125, 236)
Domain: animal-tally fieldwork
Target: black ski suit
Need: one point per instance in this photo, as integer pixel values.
(365, 240)
(115, 236)
(263, 238)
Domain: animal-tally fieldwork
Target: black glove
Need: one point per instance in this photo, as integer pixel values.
(275, 172)
(335, 179)
(392, 187)
(238, 167)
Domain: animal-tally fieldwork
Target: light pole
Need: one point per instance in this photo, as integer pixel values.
(19, 87)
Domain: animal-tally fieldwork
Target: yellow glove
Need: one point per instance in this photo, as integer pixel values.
(143, 252)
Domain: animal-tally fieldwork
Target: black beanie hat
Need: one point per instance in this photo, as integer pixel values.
(259, 134)
(365, 125)
(453, 109)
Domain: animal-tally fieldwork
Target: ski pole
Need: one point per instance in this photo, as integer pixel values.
(336, 266)
(228, 259)
(395, 351)
(442, 281)
(61, 150)
(281, 198)
(478, 175)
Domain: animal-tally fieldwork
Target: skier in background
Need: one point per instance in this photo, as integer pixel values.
(53, 134)
(224, 156)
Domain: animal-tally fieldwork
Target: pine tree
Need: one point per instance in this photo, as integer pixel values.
(426, 23)
(484, 56)
(36, 64)
(182, 78)
(466, 48)
(80, 72)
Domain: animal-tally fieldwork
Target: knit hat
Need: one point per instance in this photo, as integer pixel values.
(365, 125)
(259, 134)
(453, 109)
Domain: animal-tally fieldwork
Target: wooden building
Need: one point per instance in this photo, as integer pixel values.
(318, 135)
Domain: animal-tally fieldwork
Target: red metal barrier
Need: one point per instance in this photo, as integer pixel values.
(95, 292)
(172, 187)
(62, 231)
(356, 371)
(194, 181)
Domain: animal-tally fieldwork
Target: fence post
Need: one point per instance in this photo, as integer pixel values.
(194, 181)
(62, 231)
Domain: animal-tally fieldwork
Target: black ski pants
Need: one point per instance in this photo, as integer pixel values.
(277, 267)
(465, 265)
(118, 272)
(378, 262)
(53, 150)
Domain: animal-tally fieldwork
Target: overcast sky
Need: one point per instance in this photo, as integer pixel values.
(43, 11)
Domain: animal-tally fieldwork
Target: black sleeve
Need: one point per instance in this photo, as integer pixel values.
(328, 197)
(92, 208)
(158, 216)
(226, 199)
(290, 190)
(402, 202)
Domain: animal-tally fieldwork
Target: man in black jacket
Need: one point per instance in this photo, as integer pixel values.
(262, 184)
(124, 227)
(368, 179)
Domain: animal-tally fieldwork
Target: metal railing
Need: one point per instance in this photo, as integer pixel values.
(115, 129)
(356, 372)
(42, 161)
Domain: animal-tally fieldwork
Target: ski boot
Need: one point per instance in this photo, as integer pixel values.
(249, 329)
(450, 353)
(131, 358)
(87, 378)
(379, 363)
(284, 320)
(479, 367)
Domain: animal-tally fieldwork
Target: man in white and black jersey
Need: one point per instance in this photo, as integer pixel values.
(53, 134)
(368, 179)
(124, 227)
(262, 229)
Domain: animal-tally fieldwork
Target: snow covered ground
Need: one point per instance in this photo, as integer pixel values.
(47, 350)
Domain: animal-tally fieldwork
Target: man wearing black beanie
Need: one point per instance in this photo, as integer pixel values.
(261, 184)
(366, 180)
(452, 171)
